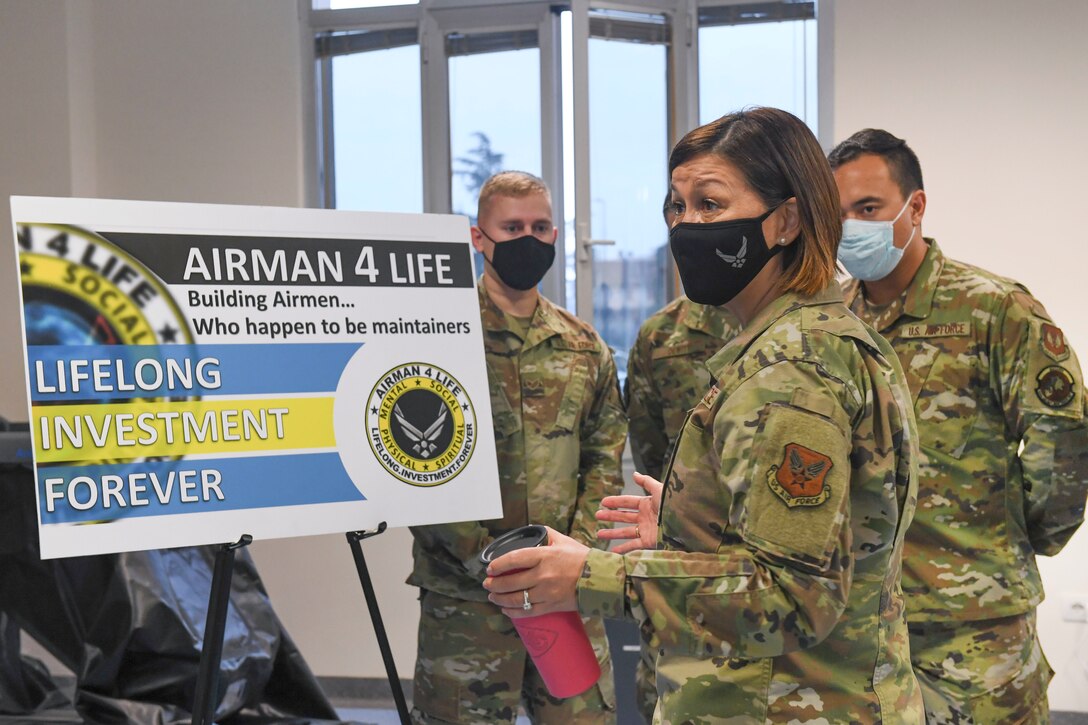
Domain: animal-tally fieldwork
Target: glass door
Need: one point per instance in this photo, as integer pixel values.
(499, 78)
(621, 139)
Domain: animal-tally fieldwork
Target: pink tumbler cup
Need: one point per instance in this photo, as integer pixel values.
(557, 642)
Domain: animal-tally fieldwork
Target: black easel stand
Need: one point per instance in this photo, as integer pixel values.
(354, 537)
(211, 654)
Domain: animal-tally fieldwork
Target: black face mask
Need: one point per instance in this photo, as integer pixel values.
(718, 260)
(521, 263)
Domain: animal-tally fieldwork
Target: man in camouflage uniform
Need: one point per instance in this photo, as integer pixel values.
(559, 435)
(1004, 444)
(666, 377)
(666, 372)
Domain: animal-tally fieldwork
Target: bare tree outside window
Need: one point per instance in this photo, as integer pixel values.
(479, 165)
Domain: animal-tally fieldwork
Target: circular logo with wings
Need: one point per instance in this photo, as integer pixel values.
(421, 424)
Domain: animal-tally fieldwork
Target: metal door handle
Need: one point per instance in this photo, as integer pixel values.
(585, 244)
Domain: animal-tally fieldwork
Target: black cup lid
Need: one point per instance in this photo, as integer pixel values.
(524, 537)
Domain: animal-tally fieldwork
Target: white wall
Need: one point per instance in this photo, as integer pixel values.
(206, 101)
(34, 152)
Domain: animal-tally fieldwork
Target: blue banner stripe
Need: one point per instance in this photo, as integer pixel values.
(59, 373)
(186, 486)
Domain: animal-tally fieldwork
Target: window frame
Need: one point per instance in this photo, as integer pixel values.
(434, 20)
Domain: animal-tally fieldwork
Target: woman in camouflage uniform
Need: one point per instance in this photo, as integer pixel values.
(769, 566)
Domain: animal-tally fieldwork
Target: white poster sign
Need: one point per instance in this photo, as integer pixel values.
(197, 372)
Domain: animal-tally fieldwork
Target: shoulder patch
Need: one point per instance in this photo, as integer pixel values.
(1053, 342)
(1055, 386)
(799, 480)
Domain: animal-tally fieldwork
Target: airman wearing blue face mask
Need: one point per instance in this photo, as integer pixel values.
(1000, 405)
(868, 249)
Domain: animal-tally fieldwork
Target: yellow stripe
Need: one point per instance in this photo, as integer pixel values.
(303, 423)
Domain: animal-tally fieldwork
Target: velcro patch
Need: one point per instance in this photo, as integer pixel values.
(800, 479)
(935, 329)
(799, 486)
(562, 344)
(686, 347)
(532, 389)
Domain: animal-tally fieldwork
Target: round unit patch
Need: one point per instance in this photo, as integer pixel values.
(1055, 386)
(421, 424)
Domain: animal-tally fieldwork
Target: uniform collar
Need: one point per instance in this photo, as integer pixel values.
(916, 300)
(766, 317)
(546, 321)
(715, 321)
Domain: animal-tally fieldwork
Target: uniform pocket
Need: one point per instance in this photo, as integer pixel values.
(569, 412)
(990, 671)
(505, 420)
(708, 691)
(947, 403)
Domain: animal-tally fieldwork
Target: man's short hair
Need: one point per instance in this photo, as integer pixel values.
(901, 160)
(516, 184)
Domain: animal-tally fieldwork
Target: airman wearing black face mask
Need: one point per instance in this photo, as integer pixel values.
(521, 262)
(559, 433)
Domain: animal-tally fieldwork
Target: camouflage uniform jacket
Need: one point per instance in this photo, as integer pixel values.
(774, 593)
(559, 435)
(989, 371)
(666, 375)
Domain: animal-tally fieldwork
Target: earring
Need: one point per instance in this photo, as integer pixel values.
(782, 241)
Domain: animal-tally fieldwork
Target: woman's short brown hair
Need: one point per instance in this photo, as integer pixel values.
(780, 158)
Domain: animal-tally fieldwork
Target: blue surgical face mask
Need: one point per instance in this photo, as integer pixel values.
(867, 248)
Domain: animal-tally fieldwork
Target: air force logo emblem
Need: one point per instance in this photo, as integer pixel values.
(423, 442)
(737, 260)
(421, 424)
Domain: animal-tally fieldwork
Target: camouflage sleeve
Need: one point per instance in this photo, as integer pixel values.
(602, 589)
(603, 436)
(786, 585)
(649, 441)
(458, 543)
(1036, 376)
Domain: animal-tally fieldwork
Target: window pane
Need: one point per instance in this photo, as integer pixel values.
(628, 170)
(758, 64)
(377, 130)
(494, 120)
